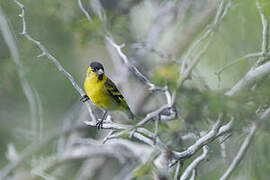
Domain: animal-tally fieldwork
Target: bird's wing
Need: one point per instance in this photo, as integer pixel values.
(114, 92)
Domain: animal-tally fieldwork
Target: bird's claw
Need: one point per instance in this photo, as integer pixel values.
(99, 124)
(84, 98)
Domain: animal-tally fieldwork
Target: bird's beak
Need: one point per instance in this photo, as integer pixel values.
(100, 72)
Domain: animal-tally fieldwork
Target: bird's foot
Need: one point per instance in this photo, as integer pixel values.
(84, 98)
(99, 124)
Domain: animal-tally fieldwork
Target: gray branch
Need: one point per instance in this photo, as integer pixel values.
(193, 165)
(241, 152)
(257, 71)
(26, 87)
(83, 10)
(34, 148)
(131, 67)
(216, 131)
(52, 58)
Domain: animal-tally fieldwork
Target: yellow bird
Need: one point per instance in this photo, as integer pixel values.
(103, 92)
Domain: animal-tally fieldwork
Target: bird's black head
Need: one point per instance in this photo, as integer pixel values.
(98, 69)
(95, 66)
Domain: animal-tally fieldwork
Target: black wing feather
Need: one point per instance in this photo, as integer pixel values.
(113, 91)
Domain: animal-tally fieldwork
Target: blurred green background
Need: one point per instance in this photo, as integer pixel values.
(63, 29)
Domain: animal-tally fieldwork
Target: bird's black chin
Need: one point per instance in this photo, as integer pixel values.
(100, 77)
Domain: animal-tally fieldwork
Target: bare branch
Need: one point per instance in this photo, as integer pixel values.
(153, 114)
(219, 71)
(131, 67)
(240, 153)
(177, 170)
(169, 13)
(265, 115)
(26, 87)
(185, 70)
(221, 12)
(265, 29)
(256, 72)
(264, 47)
(97, 8)
(52, 58)
(90, 168)
(251, 76)
(34, 148)
(245, 145)
(222, 148)
(83, 10)
(193, 176)
(193, 165)
(216, 131)
(186, 74)
(86, 152)
(141, 134)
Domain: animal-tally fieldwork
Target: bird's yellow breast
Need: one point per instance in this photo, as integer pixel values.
(97, 92)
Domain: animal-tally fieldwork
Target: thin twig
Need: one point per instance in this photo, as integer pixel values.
(265, 115)
(219, 71)
(26, 86)
(83, 10)
(264, 47)
(265, 28)
(52, 58)
(193, 165)
(131, 67)
(177, 170)
(257, 71)
(34, 148)
(221, 12)
(193, 175)
(216, 131)
(251, 76)
(240, 153)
